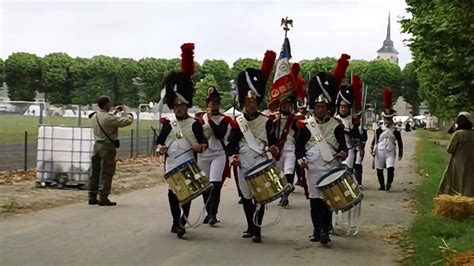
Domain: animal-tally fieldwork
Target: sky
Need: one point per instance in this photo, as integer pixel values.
(226, 30)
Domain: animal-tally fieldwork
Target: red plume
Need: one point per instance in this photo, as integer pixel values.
(357, 91)
(387, 98)
(187, 59)
(267, 63)
(341, 67)
(300, 91)
(295, 70)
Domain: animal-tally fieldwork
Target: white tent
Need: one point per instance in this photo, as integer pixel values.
(34, 110)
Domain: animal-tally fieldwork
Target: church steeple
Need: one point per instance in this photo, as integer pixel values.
(387, 51)
(388, 27)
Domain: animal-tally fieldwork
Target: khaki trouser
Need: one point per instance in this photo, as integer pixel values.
(103, 169)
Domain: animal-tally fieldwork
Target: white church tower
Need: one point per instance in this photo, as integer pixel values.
(388, 52)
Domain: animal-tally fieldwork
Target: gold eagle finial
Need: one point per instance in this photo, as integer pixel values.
(286, 23)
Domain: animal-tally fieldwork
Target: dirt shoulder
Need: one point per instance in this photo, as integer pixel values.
(18, 193)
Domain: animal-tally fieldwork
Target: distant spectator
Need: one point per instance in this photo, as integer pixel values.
(458, 177)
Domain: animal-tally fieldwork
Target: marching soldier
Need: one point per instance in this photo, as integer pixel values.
(383, 147)
(284, 131)
(319, 148)
(180, 138)
(213, 161)
(301, 106)
(105, 126)
(359, 126)
(251, 136)
(344, 105)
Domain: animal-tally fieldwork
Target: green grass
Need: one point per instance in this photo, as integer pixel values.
(12, 127)
(427, 232)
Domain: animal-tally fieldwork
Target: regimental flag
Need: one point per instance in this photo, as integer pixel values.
(283, 82)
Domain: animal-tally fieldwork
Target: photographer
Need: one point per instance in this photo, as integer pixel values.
(105, 126)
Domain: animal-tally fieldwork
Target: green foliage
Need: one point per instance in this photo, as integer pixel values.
(379, 74)
(243, 63)
(152, 73)
(443, 52)
(201, 90)
(309, 68)
(410, 86)
(201, 93)
(56, 78)
(427, 232)
(2, 69)
(221, 72)
(23, 75)
(376, 74)
(81, 81)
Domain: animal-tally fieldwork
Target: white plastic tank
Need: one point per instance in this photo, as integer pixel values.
(64, 154)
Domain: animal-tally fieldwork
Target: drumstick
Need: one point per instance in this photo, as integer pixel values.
(184, 152)
(333, 159)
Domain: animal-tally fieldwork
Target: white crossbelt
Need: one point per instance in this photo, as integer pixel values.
(249, 137)
(318, 135)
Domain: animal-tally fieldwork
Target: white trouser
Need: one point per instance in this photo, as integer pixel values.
(359, 157)
(317, 168)
(384, 159)
(213, 164)
(286, 164)
(349, 161)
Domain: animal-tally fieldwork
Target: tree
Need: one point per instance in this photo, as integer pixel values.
(2, 71)
(56, 78)
(441, 44)
(23, 76)
(79, 79)
(309, 68)
(201, 87)
(221, 72)
(377, 75)
(126, 71)
(410, 86)
(152, 74)
(243, 63)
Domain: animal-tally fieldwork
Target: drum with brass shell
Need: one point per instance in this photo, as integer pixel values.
(339, 189)
(266, 182)
(187, 181)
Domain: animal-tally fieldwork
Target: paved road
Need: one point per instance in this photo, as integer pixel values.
(136, 232)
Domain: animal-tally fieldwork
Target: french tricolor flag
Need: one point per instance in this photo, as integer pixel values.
(283, 82)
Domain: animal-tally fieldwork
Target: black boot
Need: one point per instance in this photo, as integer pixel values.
(390, 176)
(186, 207)
(358, 173)
(214, 203)
(249, 209)
(381, 179)
(316, 220)
(326, 217)
(104, 201)
(93, 199)
(257, 238)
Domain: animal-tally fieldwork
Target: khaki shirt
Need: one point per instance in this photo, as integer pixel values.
(110, 123)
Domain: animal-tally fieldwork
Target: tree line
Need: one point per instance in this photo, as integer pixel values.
(442, 45)
(67, 80)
